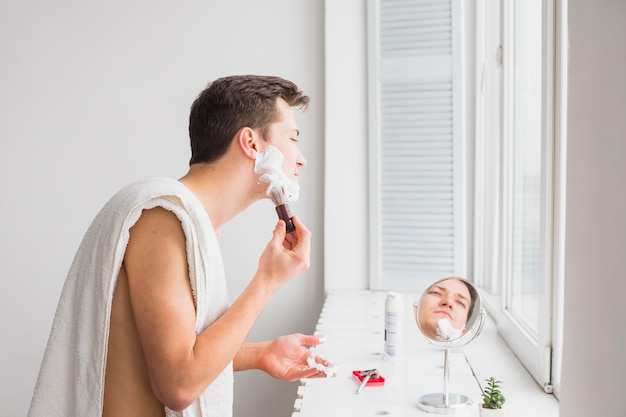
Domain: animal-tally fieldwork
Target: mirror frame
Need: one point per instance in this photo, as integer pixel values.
(474, 323)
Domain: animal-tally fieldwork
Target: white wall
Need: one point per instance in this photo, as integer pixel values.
(95, 95)
(345, 212)
(594, 339)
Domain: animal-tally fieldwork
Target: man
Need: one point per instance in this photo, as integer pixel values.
(144, 327)
(445, 308)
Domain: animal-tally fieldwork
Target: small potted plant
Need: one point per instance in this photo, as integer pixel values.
(492, 399)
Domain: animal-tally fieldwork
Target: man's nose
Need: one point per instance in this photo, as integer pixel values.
(301, 161)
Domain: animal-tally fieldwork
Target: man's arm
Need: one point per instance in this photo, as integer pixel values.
(181, 365)
(286, 357)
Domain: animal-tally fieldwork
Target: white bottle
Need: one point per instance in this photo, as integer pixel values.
(394, 325)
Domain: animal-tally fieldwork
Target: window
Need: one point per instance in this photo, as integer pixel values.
(488, 149)
(418, 150)
(515, 175)
(510, 240)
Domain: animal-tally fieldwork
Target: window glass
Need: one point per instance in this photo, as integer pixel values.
(489, 147)
(526, 160)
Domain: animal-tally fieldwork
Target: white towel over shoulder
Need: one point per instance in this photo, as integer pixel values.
(71, 378)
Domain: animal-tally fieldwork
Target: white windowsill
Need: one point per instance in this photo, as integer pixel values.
(353, 322)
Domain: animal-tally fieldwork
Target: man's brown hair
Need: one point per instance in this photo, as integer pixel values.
(231, 103)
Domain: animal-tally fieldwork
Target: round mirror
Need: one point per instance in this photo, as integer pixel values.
(449, 313)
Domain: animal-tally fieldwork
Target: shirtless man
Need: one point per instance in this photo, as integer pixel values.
(156, 361)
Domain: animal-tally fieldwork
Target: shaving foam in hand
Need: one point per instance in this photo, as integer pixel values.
(330, 370)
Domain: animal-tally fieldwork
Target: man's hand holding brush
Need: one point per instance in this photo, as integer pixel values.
(287, 254)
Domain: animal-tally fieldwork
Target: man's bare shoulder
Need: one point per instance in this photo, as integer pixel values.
(157, 219)
(157, 233)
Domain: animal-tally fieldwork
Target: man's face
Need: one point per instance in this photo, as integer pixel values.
(446, 299)
(284, 136)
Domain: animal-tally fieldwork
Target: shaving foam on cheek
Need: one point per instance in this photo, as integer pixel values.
(445, 330)
(281, 190)
(269, 165)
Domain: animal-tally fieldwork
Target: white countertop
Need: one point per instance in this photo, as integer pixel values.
(354, 324)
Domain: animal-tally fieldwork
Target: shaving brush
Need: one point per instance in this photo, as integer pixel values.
(278, 197)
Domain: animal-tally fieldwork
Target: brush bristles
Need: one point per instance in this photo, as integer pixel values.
(277, 195)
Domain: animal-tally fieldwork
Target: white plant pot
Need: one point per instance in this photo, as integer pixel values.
(490, 412)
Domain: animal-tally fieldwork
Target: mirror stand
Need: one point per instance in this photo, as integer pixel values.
(444, 402)
(458, 302)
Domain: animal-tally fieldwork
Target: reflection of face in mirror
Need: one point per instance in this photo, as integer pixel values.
(445, 308)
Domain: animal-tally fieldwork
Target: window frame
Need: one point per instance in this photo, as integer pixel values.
(536, 353)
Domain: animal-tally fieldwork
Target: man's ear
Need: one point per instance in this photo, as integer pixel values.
(247, 141)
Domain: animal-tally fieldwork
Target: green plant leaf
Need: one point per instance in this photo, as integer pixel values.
(492, 397)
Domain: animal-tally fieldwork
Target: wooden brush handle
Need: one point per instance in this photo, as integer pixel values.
(285, 214)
